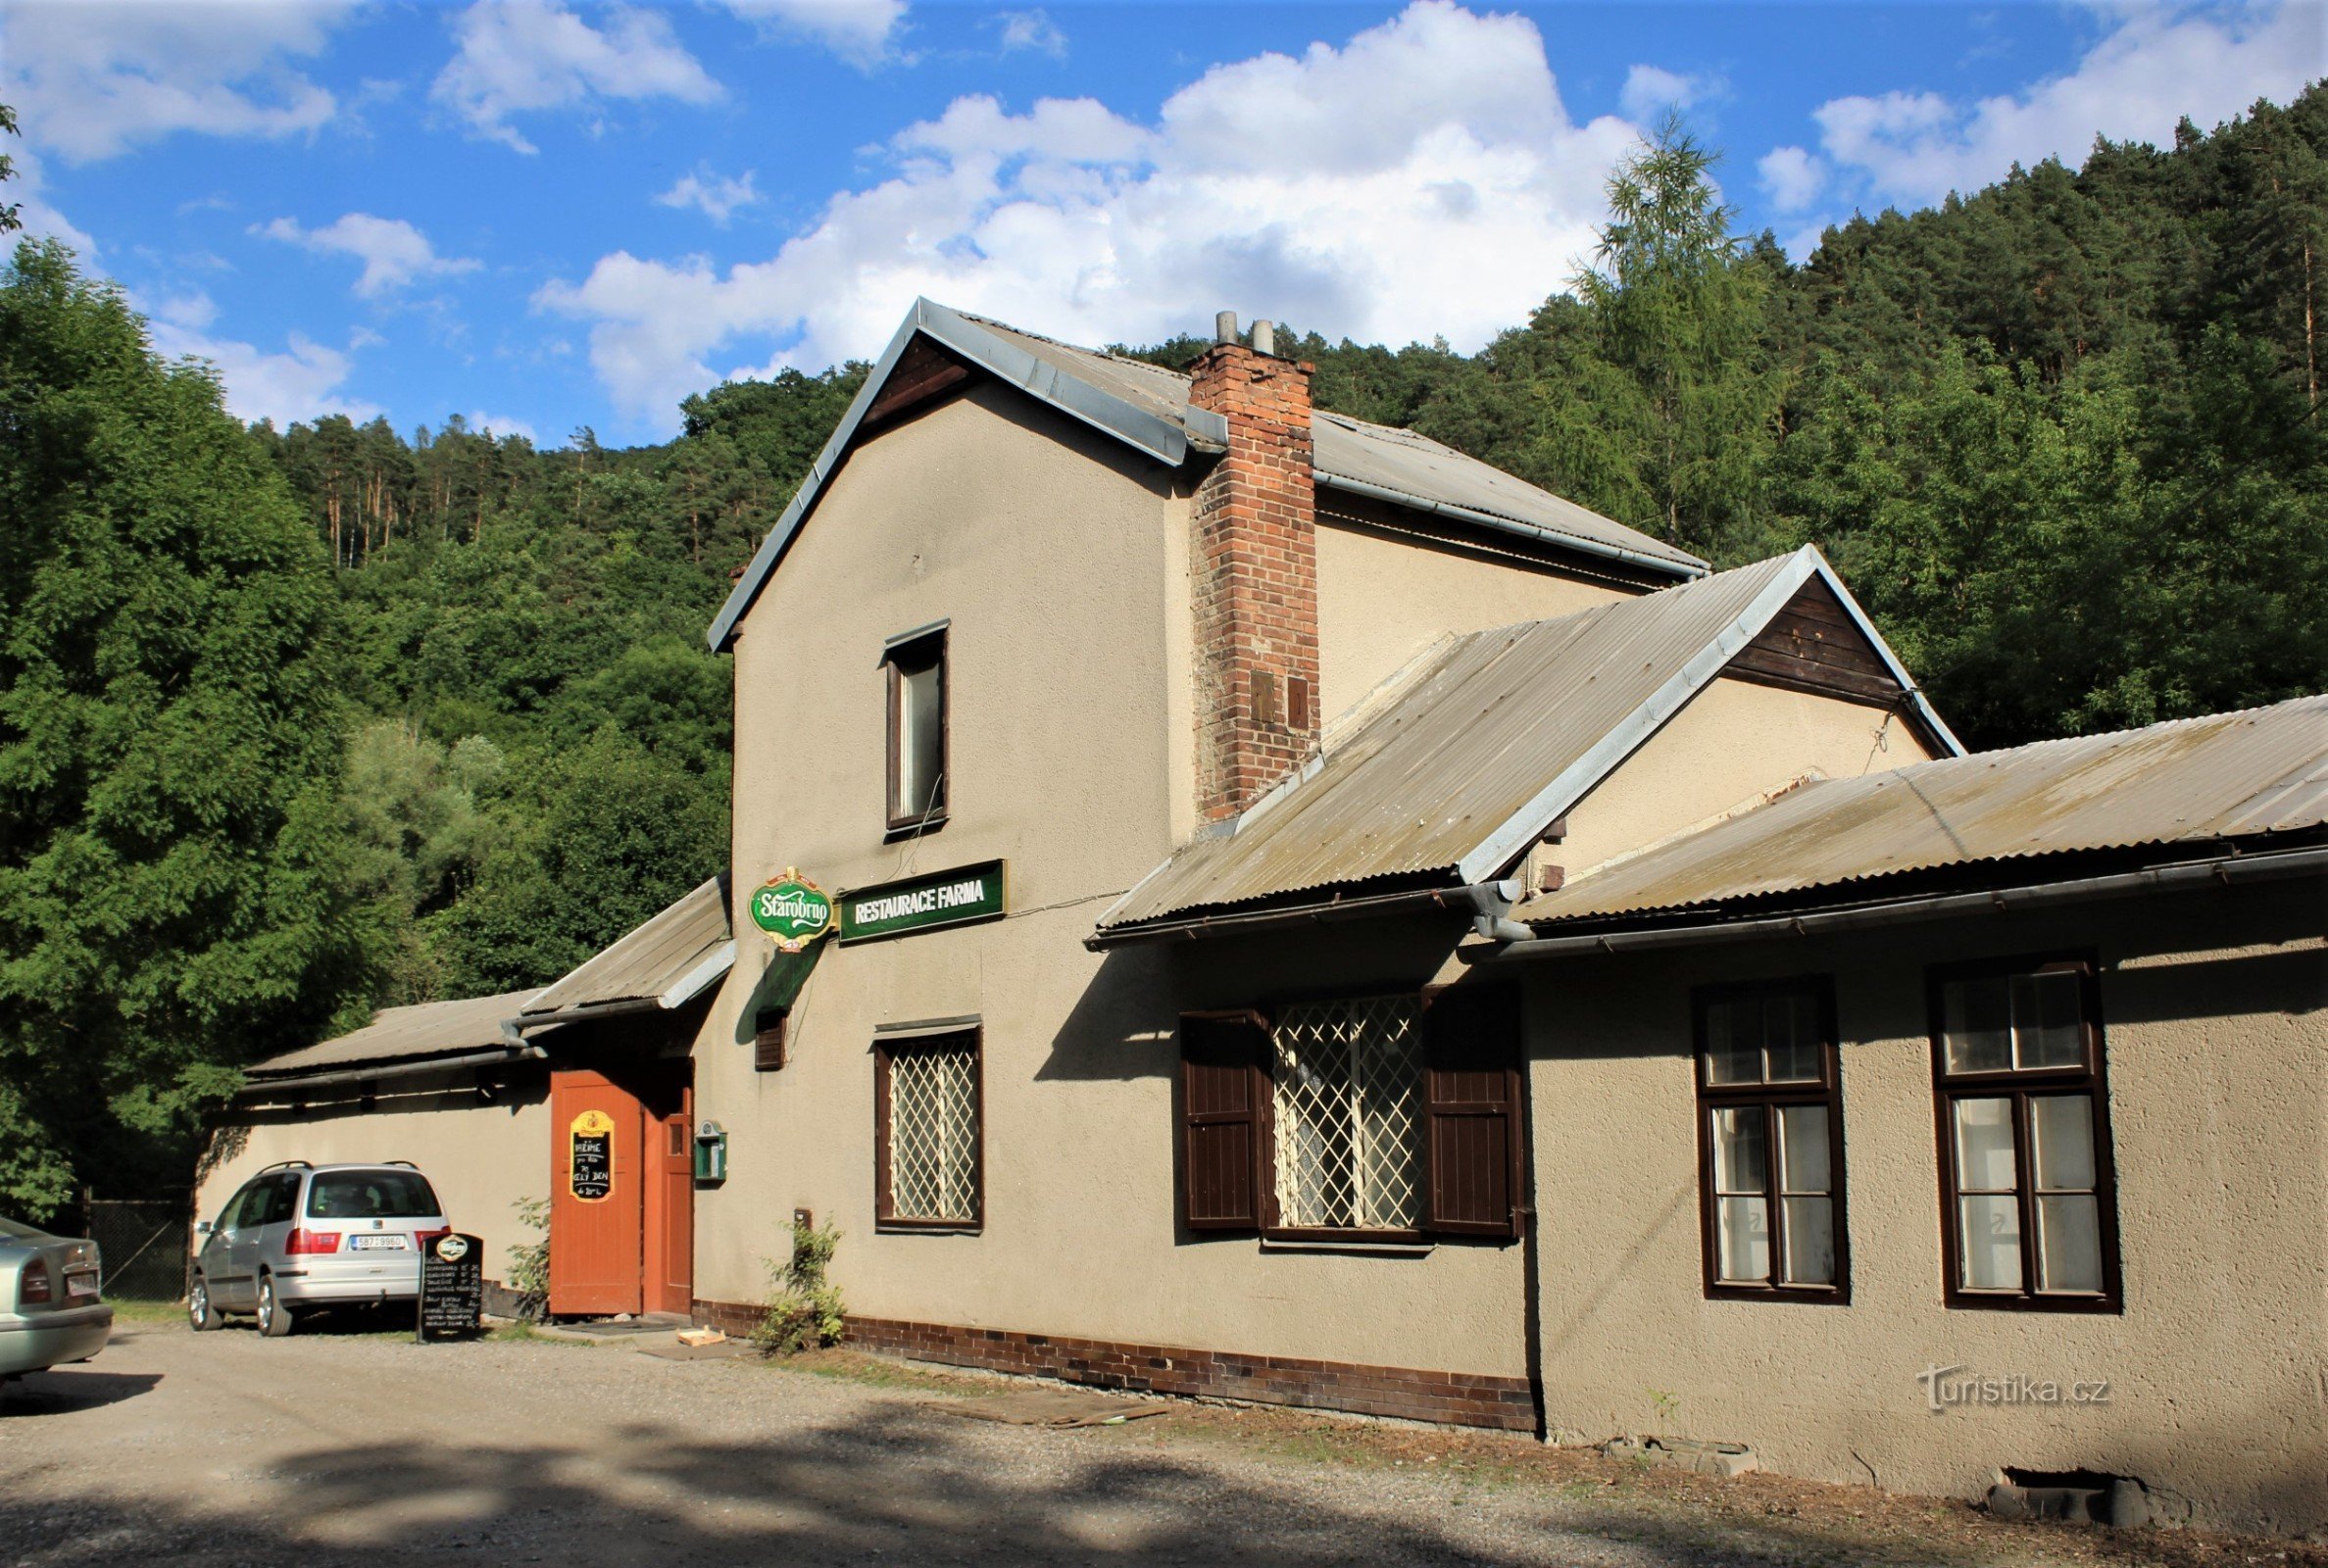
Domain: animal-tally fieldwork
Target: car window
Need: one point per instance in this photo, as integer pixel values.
(283, 1198)
(371, 1195)
(230, 1217)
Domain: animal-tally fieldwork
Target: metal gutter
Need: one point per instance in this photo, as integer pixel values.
(2179, 877)
(1511, 525)
(1478, 901)
(262, 1088)
(514, 1029)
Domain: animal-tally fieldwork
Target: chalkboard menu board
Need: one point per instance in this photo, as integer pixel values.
(590, 1168)
(451, 1288)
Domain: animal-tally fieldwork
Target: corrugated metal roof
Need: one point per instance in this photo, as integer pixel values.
(1376, 458)
(1380, 460)
(2197, 780)
(669, 960)
(1146, 406)
(403, 1034)
(1479, 746)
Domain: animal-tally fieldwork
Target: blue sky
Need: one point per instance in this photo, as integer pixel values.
(543, 216)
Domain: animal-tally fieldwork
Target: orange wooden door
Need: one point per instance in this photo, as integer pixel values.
(670, 1198)
(597, 1194)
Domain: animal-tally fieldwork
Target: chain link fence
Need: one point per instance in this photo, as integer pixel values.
(144, 1247)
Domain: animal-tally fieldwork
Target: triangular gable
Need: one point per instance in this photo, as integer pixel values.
(933, 343)
(1491, 741)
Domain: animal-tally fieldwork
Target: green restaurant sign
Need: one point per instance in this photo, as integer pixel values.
(792, 910)
(921, 904)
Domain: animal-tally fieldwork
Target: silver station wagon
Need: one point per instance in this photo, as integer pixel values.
(297, 1238)
(50, 1309)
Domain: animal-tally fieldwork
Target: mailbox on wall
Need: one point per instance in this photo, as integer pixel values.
(711, 1155)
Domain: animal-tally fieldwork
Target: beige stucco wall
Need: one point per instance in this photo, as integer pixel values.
(1734, 741)
(1383, 596)
(481, 1158)
(2217, 1066)
(1062, 564)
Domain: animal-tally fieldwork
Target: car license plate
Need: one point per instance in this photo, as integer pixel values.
(378, 1243)
(81, 1285)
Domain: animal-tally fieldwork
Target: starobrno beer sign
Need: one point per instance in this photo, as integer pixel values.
(791, 909)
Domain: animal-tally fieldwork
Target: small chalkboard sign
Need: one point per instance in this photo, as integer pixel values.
(591, 1169)
(451, 1288)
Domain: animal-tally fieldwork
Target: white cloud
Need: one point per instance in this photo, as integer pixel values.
(2155, 67)
(1032, 29)
(40, 219)
(392, 251)
(194, 310)
(501, 424)
(1792, 178)
(1651, 90)
(300, 383)
(714, 195)
(95, 79)
(1423, 179)
(862, 33)
(518, 55)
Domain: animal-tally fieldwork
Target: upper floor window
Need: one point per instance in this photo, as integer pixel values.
(2028, 1206)
(1770, 1142)
(915, 670)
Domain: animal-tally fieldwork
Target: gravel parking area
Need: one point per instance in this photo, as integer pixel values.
(365, 1448)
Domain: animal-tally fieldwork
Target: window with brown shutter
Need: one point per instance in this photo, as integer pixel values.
(1472, 1110)
(1224, 1101)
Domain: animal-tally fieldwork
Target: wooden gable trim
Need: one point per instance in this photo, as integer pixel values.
(1816, 645)
(923, 372)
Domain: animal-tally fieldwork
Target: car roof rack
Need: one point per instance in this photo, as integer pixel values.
(286, 1165)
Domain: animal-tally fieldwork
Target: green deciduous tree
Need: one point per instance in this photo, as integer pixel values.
(173, 888)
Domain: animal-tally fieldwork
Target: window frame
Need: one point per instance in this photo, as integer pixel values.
(901, 655)
(1273, 1227)
(1770, 1098)
(2017, 1084)
(886, 1051)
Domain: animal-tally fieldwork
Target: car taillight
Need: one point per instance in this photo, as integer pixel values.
(307, 1241)
(34, 1288)
(422, 1238)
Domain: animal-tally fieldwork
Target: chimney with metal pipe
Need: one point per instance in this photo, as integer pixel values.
(1225, 327)
(1265, 336)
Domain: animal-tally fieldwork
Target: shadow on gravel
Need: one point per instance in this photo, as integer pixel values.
(893, 1486)
(63, 1392)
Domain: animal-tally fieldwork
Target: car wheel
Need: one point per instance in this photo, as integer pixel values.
(274, 1319)
(199, 1310)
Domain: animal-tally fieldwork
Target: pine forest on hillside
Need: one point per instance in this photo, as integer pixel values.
(297, 723)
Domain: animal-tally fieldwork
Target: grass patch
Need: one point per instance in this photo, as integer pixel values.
(874, 1372)
(526, 1334)
(148, 1314)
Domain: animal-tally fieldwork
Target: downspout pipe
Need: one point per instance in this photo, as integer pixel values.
(1481, 901)
(2264, 867)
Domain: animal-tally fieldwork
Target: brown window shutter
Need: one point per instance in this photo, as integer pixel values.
(768, 1039)
(1472, 1109)
(1223, 1100)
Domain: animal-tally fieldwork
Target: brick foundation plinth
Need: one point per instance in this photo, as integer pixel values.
(1448, 1398)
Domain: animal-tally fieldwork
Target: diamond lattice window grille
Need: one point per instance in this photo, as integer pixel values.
(933, 1132)
(1348, 1103)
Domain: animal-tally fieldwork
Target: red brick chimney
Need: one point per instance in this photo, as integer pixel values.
(1255, 565)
